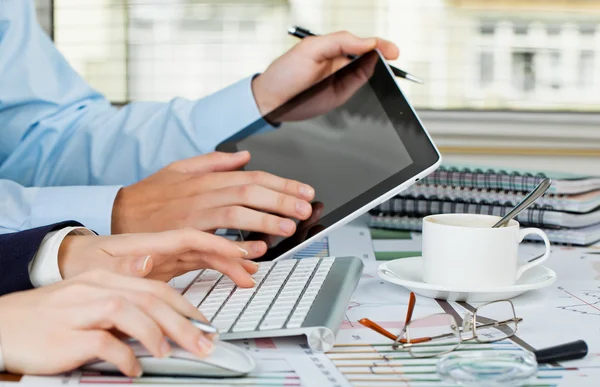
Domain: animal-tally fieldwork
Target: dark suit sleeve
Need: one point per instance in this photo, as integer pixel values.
(17, 250)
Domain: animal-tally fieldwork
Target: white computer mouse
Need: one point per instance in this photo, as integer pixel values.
(226, 360)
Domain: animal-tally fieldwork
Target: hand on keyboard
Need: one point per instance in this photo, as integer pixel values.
(306, 296)
(285, 291)
(159, 256)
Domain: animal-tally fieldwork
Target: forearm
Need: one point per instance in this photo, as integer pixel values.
(57, 130)
(110, 146)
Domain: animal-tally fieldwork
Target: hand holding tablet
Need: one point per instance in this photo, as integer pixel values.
(353, 137)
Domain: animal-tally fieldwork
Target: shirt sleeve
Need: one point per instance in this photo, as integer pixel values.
(24, 208)
(43, 268)
(58, 131)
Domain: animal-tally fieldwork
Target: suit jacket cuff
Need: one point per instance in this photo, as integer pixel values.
(18, 249)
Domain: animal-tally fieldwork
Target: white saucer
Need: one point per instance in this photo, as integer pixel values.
(407, 272)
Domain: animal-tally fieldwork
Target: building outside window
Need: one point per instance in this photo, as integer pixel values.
(472, 54)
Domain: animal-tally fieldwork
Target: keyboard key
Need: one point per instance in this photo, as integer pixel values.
(272, 324)
(246, 327)
(282, 288)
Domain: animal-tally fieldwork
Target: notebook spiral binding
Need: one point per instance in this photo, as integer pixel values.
(428, 191)
(420, 206)
(488, 179)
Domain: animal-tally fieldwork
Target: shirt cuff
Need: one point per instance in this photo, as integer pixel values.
(233, 109)
(43, 268)
(89, 205)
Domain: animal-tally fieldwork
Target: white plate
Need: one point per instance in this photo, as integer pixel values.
(407, 272)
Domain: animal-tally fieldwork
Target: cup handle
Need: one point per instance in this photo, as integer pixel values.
(522, 234)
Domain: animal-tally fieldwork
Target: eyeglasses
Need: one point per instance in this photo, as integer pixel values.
(439, 334)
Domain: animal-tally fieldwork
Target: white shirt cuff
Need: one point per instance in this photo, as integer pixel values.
(43, 268)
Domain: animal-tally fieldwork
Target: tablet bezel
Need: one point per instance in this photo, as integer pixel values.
(423, 152)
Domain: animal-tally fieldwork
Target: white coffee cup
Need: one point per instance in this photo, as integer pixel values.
(464, 251)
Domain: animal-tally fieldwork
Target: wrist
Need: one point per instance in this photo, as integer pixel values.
(262, 95)
(118, 218)
(72, 255)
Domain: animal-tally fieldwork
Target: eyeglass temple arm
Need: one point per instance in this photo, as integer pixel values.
(496, 323)
(411, 307)
(382, 331)
(377, 328)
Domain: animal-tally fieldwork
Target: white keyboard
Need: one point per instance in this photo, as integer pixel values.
(289, 298)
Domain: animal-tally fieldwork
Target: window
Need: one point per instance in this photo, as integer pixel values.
(520, 28)
(487, 27)
(486, 69)
(586, 69)
(555, 70)
(587, 29)
(523, 65)
(159, 49)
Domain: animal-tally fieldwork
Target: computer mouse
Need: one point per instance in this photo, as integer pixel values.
(226, 360)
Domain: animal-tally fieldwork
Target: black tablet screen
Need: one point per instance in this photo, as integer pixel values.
(340, 138)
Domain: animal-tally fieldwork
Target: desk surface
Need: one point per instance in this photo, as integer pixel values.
(565, 311)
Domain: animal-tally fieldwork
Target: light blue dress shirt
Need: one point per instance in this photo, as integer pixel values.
(65, 151)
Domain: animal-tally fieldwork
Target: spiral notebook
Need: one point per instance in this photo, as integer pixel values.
(584, 202)
(579, 236)
(511, 179)
(538, 217)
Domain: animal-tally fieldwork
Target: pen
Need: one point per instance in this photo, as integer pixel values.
(569, 351)
(302, 33)
(204, 327)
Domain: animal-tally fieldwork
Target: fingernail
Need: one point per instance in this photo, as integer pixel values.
(303, 208)
(243, 251)
(165, 348)
(137, 370)
(240, 153)
(307, 191)
(257, 248)
(253, 281)
(255, 264)
(286, 226)
(142, 263)
(206, 346)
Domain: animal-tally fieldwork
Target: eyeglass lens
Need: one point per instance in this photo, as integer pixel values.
(432, 335)
(495, 321)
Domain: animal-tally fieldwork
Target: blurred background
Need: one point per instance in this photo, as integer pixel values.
(506, 82)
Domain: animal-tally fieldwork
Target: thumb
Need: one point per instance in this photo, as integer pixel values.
(135, 266)
(213, 162)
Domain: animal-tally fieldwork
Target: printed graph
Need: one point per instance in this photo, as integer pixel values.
(272, 372)
(378, 365)
(583, 302)
(317, 249)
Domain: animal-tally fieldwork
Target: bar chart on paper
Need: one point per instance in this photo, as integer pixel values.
(378, 365)
(317, 249)
(273, 372)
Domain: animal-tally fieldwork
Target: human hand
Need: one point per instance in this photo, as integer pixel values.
(60, 327)
(308, 62)
(160, 256)
(305, 230)
(330, 93)
(209, 192)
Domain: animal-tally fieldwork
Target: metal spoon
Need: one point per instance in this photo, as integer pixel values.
(526, 202)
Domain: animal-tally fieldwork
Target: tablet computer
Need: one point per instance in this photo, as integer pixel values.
(353, 137)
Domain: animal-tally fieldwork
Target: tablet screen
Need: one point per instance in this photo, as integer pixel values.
(340, 138)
